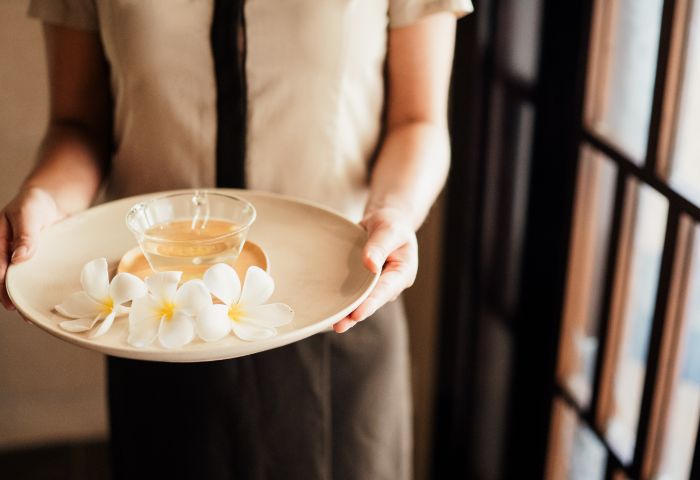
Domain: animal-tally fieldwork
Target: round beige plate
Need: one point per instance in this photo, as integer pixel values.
(314, 257)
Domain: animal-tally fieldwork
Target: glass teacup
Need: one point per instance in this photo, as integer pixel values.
(190, 231)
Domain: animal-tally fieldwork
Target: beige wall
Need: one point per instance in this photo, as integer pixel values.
(51, 391)
(422, 305)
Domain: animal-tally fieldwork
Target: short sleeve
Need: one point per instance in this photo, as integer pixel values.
(406, 12)
(80, 14)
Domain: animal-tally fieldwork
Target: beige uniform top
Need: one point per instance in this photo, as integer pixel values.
(328, 407)
(315, 90)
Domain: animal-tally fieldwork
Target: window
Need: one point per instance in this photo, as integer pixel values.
(628, 377)
(621, 81)
(636, 282)
(589, 249)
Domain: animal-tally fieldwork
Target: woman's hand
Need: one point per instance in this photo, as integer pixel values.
(76, 148)
(32, 210)
(391, 248)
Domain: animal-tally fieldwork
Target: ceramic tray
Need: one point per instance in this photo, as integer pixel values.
(313, 254)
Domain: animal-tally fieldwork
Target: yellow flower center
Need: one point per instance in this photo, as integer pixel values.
(107, 306)
(235, 313)
(167, 309)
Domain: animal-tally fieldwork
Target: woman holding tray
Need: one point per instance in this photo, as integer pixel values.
(342, 102)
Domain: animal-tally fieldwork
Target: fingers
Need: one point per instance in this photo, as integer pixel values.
(5, 298)
(390, 284)
(392, 249)
(20, 223)
(4, 260)
(399, 273)
(344, 325)
(384, 238)
(25, 229)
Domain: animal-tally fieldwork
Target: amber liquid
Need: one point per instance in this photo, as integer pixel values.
(192, 245)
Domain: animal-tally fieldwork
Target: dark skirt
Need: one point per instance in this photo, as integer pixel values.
(328, 407)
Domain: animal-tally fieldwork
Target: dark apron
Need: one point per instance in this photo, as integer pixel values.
(333, 406)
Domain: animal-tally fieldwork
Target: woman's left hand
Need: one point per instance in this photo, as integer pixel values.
(391, 248)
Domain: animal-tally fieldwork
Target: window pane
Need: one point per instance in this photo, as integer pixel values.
(505, 205)
(587, 261)
(588, 456)
(519, 34)
(622, 85)
(685, 156)
(518, 203)
(575, 452)
(684, 409)
(641, 282)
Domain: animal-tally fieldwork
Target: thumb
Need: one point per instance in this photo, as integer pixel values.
(31, 211)
(4, 258)
(25, 229)
(384, 238)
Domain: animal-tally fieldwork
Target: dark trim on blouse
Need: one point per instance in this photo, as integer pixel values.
(231, 93)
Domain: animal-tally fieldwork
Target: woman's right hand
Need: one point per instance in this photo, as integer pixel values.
(21, 221)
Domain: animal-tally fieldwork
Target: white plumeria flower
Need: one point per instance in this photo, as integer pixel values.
(242, 310)
(100, 298)
(167, 311)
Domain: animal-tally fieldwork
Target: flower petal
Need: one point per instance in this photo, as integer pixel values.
(250, 332)
(95, 279)
(144, 319)
(79, 305)
(104, 326)
(80, 325)
(192, 296)
(176, 332)
(125, 287)
(120, 310)
(223, 282)
(257, 287)
(145, 309)
(213, 323)
(271, 315)
(163, 285)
